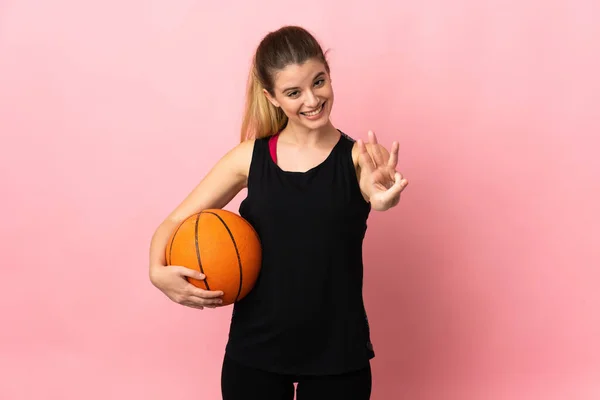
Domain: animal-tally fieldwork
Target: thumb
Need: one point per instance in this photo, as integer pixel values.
(190, 273)
(393, 193)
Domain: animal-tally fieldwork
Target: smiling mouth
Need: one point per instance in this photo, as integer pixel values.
(315, 112)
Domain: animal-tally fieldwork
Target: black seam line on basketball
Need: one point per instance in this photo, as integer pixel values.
(237, 253)
(198, 252)
(171, 245)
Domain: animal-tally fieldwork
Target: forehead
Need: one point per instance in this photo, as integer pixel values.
(298, 74)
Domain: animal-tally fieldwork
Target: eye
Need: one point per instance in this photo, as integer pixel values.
(320, 82)
(293, 94)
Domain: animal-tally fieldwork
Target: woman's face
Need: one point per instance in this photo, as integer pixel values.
(304, 93)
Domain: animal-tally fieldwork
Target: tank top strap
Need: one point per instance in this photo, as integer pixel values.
(347, 140)
(345, 149)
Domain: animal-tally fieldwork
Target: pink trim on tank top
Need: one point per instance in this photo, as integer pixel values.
(273, 147)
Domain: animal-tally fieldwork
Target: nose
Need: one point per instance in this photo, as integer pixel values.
(311, 100)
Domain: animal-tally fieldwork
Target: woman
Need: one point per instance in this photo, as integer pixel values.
(310, 190)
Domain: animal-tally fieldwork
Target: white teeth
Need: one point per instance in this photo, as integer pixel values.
(313, 113)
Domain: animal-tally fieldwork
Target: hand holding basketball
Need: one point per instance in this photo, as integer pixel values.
(172, 281)
(379, 178)
(220, 245)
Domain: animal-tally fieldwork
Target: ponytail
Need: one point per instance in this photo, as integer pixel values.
(261, 118)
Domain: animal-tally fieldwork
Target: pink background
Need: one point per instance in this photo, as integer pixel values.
(482, 284)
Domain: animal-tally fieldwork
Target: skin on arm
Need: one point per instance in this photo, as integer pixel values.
(222, 183)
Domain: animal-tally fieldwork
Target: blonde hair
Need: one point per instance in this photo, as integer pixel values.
(288, 45)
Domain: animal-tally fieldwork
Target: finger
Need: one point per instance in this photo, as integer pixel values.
(378, 156)
(204, 294)
(400, 182)
(395, 190)
(393, 160)
(372, 137)
(206, 302)
(197, 302)
(189, 272)
(365, 157)
(192, 304)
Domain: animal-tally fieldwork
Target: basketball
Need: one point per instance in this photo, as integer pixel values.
(223, 246)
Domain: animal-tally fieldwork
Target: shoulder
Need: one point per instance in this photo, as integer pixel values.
(247, 146)
(242, 150)
(239, 157)
(353, 144)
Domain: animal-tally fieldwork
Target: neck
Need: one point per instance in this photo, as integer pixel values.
(302, 136)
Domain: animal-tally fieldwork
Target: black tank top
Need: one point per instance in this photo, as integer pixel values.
(305, 315)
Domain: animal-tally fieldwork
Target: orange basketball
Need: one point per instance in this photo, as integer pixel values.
(221, 245)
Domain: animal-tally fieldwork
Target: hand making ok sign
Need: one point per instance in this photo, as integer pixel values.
(378, 178)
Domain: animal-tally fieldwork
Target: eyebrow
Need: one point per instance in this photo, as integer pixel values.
(296, 88)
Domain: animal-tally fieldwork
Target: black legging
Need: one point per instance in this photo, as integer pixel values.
(239, 382)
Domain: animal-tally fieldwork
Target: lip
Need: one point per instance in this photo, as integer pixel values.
(315, 116)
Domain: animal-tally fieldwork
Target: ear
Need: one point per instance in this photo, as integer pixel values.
(270, 98)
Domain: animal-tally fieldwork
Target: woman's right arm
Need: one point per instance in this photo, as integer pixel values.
(223, 182)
